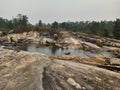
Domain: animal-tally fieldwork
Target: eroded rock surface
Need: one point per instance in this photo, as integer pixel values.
(21, 70)
(67, 75)
(34, 71)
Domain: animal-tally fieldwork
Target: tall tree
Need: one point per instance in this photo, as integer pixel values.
(40, 24)
(20, 22)
(10, 25)
(55, 25)
(106, 33)
(116, 31)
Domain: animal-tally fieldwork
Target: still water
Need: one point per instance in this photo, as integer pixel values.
(50, 50)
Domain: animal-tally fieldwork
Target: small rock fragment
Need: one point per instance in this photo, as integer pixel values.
(73, 83)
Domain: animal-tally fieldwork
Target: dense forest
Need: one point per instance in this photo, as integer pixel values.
(103, 28)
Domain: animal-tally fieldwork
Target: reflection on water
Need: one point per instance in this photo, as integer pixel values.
(51, 50)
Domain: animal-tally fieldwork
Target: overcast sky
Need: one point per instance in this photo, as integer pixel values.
(61, 10)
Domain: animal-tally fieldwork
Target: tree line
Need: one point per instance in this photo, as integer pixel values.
(103, 28)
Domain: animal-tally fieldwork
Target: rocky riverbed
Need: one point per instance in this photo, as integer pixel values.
(21, 70)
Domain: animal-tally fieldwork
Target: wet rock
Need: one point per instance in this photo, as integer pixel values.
(68, 53)
(44, 39)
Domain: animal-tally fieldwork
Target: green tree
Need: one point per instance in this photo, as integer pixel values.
(116, 31)
(95, 27)
(20, 22)
(10, 25)
(40, 24)
(55, 25)
(3, 23)
(62, 25)
(106, 33)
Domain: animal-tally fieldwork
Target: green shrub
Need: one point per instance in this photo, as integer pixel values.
(55, 36)
(4, 31)
(100, 44)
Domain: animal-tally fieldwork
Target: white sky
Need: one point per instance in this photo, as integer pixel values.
(61, 10)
